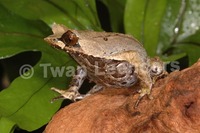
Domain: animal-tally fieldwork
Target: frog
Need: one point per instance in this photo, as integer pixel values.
(109, 59)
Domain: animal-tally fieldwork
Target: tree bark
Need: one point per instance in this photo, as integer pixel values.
(175, 108)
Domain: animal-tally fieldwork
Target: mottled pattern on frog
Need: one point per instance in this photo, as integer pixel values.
(107, 72)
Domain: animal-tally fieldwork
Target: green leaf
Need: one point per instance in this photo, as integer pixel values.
(181, 29)
(79, 14)
(6, 126)
(143, 20)
(180, 24)
(134, 17)
(116, 13)
(26, 102)
(171, 20)
(190, 24)
(193, 38)
(173, 57)
(19, 33)
(160, 25)
(152, 24)
(191, 50)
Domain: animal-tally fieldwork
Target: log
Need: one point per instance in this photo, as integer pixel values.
(175, 108)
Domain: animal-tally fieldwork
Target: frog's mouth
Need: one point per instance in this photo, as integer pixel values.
(54, 42)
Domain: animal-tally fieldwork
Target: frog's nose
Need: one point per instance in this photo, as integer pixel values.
(51, 40)
(54, 42)
(47, 39)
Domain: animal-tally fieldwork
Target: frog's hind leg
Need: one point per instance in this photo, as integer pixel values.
(95, 89)
(72, 93)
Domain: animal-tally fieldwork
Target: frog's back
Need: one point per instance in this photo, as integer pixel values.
(105, 44)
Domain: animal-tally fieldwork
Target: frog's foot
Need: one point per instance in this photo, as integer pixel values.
(143, 92)
(71, 94)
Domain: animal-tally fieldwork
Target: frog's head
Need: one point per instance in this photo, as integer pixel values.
(156, 67)
(62, 37)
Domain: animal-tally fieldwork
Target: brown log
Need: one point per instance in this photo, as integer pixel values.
(175, 108)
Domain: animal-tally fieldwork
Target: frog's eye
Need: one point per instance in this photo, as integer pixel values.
(69, 38)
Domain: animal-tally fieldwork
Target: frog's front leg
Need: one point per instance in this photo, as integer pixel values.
(142, 92)
(72, 93)
(146, 84)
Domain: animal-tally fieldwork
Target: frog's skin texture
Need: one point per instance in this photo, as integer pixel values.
(109, 59)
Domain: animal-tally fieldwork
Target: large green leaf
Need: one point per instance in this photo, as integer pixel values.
(179, 24)
(170, 22)
(134, 17)
(143, 20)
(26, 102)
(79, 14)
(116, 13)
(15, 30)
(190, 25)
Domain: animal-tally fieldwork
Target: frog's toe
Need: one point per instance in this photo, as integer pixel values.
(70, 94)
(150, 96)
(143, 92)
(57, 98)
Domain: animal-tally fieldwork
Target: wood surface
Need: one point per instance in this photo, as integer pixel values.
(175, 108)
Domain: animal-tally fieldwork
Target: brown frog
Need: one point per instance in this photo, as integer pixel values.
(109, 59)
